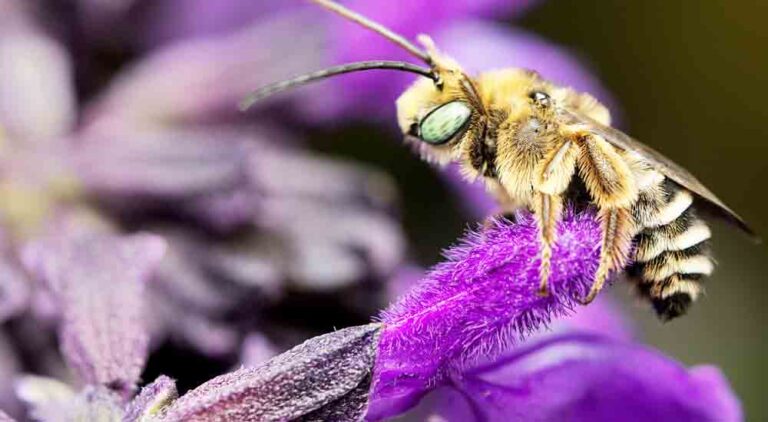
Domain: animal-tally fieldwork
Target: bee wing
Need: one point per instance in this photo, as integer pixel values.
(666, 166)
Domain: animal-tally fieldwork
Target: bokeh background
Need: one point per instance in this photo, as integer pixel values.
(687, 78)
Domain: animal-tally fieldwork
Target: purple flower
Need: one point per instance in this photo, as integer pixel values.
(4, 417)
(201, 80)
(586, 378)
(451, 337)
(477, 304)
(456, 330)
(284, 220)
(98, 281)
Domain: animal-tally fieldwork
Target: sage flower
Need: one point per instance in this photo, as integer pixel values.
(459, 331)
(465, 336)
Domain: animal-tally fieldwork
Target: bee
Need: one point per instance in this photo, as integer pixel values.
(538, 146)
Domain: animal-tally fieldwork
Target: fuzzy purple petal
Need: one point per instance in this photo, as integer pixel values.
(98, 280)
(5, 418)
(169, 164)
(335, 244)
(325, 378)
(151, 400)
(202, 78)
(602, 317)
(37, 98)
(476, 304)
(585, 378)
(173, 20)
(178, 19)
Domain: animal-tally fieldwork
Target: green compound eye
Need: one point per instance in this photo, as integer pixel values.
(444, 122)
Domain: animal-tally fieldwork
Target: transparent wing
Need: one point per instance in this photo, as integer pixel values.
(666, 166)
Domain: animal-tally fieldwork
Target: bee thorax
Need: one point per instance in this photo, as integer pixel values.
(528, 135)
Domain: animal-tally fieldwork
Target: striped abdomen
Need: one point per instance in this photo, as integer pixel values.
(671, 248)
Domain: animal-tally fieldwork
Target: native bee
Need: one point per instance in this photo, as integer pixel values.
(538, 145)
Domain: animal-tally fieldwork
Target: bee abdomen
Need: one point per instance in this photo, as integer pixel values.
(672, 251)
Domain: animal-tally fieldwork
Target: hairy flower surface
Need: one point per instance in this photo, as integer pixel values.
(477, 304)
(325, 378)
(457, 328)
(98, 282)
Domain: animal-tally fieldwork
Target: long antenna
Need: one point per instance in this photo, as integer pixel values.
(376, 27)
(333, 71)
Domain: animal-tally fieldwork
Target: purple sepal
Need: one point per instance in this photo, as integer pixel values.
(151, 400)
(476, 304)
(98, 280)
(587, 378)
(326, 378)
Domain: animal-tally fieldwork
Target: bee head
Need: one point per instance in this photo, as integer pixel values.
(435, 116)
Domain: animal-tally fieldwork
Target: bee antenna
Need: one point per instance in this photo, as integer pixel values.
(306, 78)
(376, 27)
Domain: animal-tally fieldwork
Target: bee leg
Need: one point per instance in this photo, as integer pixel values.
(611, 185)
(616, 228)
(547, 211)
(554, 173)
